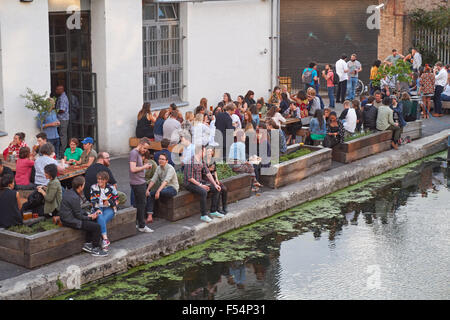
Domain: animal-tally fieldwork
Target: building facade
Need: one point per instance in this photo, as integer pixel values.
(114, 55)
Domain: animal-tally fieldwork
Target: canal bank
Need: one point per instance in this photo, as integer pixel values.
(81, 269)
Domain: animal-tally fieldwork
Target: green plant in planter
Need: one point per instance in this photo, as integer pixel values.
(297, 154)
(357, 135)
(401, 71)
(42, 104)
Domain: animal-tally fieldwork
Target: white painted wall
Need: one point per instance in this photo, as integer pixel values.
(222, 51)
(25, 62)
(117, 60)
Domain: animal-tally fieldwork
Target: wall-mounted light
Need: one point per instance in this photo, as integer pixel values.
(26, 0)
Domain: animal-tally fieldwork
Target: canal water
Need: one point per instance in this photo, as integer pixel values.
(385, 238)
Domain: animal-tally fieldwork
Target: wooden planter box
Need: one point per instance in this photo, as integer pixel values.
(186, 204)
(294, 170)
(362, 147)
(413, 130)
(36, 250)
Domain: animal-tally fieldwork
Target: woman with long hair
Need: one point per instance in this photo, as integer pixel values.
(145, 121)
(200, 131)
(204, 103)
(275, 98)
(249, 98)
(284, 105)
(226, 98)
(188, 121)
(158, 129)
(274, 113)
(335, 131)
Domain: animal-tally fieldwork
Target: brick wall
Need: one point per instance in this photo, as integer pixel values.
(395, 28)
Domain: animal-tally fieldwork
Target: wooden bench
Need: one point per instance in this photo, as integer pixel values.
(362, 147)
(413, 129)
(186, 204)
(154, 145)
(31, 251)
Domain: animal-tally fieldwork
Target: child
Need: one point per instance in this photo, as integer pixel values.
(52, 193)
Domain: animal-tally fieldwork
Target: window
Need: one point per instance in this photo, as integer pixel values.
(161, 52)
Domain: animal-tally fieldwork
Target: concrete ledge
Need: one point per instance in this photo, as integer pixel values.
(144, 248)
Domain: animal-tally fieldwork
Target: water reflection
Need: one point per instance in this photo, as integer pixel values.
(402, 232)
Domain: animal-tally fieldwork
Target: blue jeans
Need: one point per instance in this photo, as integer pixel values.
(331, 96)
(445, 97)
(104, 218)
(352, 88)
(167, 192)
(55, 143)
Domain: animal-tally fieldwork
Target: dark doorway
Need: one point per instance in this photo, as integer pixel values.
(320, 31)
(71, 66)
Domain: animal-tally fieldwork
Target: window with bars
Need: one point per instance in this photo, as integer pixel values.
(162, 52)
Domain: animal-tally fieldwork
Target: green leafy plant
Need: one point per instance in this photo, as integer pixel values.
(297, 154)
(357, 135)
(435, 19)
(42, 104)
(401, 70)
(36, 228)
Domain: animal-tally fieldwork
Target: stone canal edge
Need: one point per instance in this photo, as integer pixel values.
(71, 273)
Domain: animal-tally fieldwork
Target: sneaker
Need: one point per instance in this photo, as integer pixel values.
(216, 214)
(105, 244)
(98, 252)
(145, 229)
(88, 247)
(223, 211)
(206, 219)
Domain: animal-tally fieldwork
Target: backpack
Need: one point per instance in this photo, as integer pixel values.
(307, 75)
(335, 78)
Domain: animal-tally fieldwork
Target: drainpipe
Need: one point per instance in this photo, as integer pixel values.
(278, 38)
(271, 45)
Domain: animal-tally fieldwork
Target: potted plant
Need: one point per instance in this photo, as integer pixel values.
(42, 104)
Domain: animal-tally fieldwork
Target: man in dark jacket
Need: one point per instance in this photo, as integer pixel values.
(369, 115)
(223, 123)
(71, 216)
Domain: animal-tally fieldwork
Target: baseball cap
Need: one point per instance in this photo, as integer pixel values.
(88, 140)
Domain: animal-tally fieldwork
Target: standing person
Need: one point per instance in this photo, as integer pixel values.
(194, 173)
(104, 200)
(62, 108)
(145, 121)
(385, 121)
(335, 131)
(393, 58)
(373, 76)
(11, 205)
(166, 177)
(159, 124)
(72, 216)
(89, 155)
(328, 75)
(354, 67)
(416, 59)
(24, 166)
(224, 122)
(212, 166)
(15, 145)
(73, 153)
(50, 126)
(137, 181)
(440, 82)
(342, 72)
(171, 127)
(309, 76)
(427, 80)
(52, 193)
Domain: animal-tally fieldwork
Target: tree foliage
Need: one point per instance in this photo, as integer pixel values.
(41, 104)
(401, 70)
(436, 19)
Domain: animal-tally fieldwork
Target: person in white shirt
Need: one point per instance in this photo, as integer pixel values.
(350, 118)
(200, 131)
(445, 96)
(274, 113)
(342, 72)
(440, 82)
(416, 59)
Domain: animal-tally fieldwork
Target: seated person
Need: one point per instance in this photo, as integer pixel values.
(194, 172)
(445, 95)
(48, 152)
(369, 115)
(211, 163)
(238, 160)
(293, 112)
(104, 200)
(15, 145)
(73, 153)
(41, 139)
(335, 131)
(317, 126)
(71, 216)
(10, 203)
(89, 155)
(165, 145)
(52, 193)
(166, 178)
(349, 118)
(385, 121)
(271, 125)
(24, 167)
(5, 170)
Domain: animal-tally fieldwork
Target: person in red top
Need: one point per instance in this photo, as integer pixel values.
(328, 75)
(14, 147)
(24, 166)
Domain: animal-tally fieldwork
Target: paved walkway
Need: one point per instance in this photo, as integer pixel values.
(119, 168)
